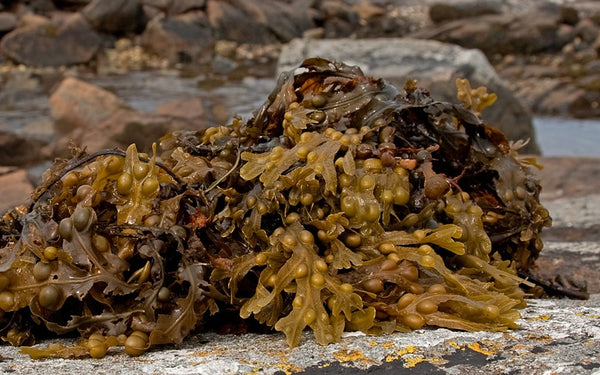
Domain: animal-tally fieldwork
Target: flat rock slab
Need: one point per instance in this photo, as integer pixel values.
(556, 336)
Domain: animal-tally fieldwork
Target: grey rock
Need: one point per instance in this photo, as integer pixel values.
(8, 22)
(284, 20)
(12, 145)
(555, 336)
(433, 64)
(63, 41)
(504, 33)
(587, 30)
(230, 22)
(338, 19)
(450, 11)
(182, 6)
(182, 39)
(115, 16)
(42, 6)
(161, 4)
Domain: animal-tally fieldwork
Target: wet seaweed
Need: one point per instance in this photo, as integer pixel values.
(343, 204)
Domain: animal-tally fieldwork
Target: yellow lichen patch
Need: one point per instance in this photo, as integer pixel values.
(388, 345)
(399, 353)
(356, 356)
(412, 361)
(454, 344)
(479, 349)
(542, 317)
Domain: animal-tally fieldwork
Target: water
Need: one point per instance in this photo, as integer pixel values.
(567, 137)
(145, 91)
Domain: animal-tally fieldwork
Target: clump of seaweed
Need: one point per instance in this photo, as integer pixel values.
(343, 204)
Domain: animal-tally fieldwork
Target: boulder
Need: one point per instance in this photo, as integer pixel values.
(285, 21)
(450, 11)
(8, 21)
(41, 6)
(229, 22)
(182, 6)
(30, 19)
(115, 16)
(505, 33)
(181, 39)
(587, 30)
(76, 104)
(338, 19)
(62, 41)
(435, 65)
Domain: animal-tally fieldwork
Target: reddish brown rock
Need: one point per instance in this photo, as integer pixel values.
(77, 104)
(15, 190)
(189, 108)
(564, 177)
(127, 126)
(63, 41)
(560, 101)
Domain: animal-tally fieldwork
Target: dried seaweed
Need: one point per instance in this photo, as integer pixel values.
(343, 204)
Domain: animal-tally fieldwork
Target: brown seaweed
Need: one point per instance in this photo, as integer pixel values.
(343, 204)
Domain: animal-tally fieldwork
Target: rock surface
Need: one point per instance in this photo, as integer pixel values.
(434, 65)
(64, 41)
(77, 104)
(15, 188)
